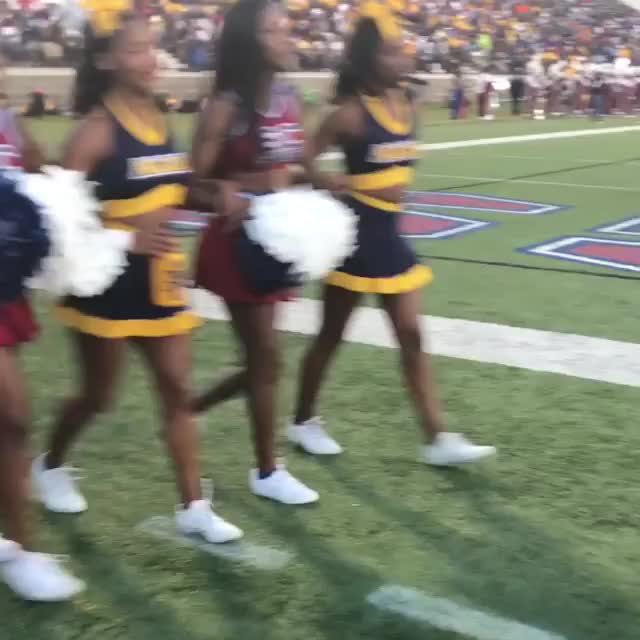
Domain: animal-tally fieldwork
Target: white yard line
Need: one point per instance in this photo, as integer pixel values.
(506, 156)
(448, 616)
(577, 185)
(545, 351)
(532, 137)
(243, 552)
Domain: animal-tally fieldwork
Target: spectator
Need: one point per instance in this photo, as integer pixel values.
(444, 33)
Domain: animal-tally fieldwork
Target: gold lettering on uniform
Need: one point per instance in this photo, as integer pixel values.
(167, 277)
(157, 166)
(390, 152)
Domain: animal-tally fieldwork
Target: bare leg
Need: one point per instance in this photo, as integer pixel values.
(404, 311)
(254, 327)
(337, 309)
(14, 455)
(226, 389)
(100, 361)
(170, 362)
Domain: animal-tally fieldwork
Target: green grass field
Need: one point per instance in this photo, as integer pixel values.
(546, 534)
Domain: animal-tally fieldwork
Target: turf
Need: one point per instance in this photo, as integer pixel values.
(545, 534)
(529, 536)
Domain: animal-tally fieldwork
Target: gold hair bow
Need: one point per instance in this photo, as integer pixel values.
(104, 15)
(383, 16)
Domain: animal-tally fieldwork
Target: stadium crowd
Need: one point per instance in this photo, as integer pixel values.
(444, 34)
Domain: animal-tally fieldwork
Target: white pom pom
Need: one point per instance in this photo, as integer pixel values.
(309, 229)
(85, 260)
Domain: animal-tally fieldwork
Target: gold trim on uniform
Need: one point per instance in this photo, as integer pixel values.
(381, 114)
(418, 276)
(166, 195)
(390, 177)
(180, 323)
(376, 203)
(145, 132)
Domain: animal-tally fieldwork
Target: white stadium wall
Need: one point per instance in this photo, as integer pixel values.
(58, 84)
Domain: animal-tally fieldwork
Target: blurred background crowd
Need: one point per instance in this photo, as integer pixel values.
(443, 34)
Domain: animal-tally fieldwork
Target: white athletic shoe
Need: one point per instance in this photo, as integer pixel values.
(39, 577)
(8, 549)
(282, 487)
(201, 520)
(312, 437)
(450, 449)
(56, 488)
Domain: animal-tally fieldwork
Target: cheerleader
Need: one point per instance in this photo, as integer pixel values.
(32, 576)
(125, 147)
(375, 126)
(248, 138)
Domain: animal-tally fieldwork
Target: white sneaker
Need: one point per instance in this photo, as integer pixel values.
(281, 486)
(312, 437)
(450, 449)
(200, 519)
(39, 577)
(56, 488)
(8, 549)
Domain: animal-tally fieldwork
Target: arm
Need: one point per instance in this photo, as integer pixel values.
(32, 155)
(89, 144)
(344, 122)
(205, 193)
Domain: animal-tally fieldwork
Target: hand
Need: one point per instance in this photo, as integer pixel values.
(153, 239)
(232, 206)
(336, 183)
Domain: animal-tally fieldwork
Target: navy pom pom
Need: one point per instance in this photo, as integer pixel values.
(24, 242)
(264, 274)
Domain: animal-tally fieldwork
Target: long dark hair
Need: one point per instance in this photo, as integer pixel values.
(358, 73)
(241, 60)
(92, 81)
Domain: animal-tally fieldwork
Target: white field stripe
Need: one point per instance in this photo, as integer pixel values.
(576, 185)
(545, 351)
(448, 616)
(247, 553)
(532, 137)
(501, 156)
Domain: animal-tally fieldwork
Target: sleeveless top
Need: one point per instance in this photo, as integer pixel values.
(274, 138)
(143, 173)
(384, 155)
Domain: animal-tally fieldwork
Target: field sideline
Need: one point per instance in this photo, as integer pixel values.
(544, 536)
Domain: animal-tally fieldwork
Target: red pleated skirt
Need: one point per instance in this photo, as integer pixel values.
(218, 271)
(17, 324)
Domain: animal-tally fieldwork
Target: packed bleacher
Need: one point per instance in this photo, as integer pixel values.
(443, 34)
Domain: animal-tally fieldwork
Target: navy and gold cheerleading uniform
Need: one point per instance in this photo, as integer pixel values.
(383, 157)
(144, 173)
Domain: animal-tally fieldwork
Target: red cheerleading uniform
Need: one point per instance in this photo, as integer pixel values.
(17, 324)
(275, 139)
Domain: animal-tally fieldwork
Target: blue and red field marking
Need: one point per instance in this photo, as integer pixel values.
(626, 227)
(438, 226)
(477, 202)
(614, 254)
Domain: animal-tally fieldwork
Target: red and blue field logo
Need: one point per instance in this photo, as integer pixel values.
(601, 252)
(421, 221)
(437, 226)
(478, 202)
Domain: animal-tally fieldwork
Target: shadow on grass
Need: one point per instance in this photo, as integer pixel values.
(332, 604)
(519, 570)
